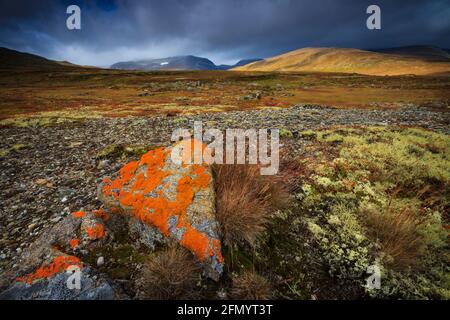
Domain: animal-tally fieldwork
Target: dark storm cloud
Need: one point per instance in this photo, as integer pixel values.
(224, 30)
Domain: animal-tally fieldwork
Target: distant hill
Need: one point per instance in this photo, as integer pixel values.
(348, 61)
(170, 63)
(425, 52)
(246, 61)
(238, 64)
(177, 63)
(12, 59)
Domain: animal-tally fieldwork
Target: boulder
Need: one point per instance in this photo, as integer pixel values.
(44, 268)
(50, 282)
(167, 201)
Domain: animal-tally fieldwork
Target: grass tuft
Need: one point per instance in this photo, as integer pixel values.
(170, 274)
(398, 232)
(244, 201)
(250, 286)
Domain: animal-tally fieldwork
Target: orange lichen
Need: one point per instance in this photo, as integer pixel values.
(102, 214)
(216, 250)
(59, 264)
(197, 242)
(115, 210)
(74, 243)
(96, 232)
(132, 185)
(79, 214)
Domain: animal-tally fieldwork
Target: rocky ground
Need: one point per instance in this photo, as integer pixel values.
(49, 171)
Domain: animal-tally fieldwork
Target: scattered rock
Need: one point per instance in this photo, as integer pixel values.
(55, 220)
(41, 182)
(32, 226)
(58, 287)
(42, 269)
(100, 261)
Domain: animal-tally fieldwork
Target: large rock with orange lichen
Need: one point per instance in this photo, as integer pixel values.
(167, 201)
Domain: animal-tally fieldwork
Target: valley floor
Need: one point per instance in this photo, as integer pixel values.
(94, 93)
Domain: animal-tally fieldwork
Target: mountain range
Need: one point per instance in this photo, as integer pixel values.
(417, 60)
(188, 62)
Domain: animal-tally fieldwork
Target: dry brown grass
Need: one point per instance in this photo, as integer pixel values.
(244, 201)
(347, 61)
(397, 231)
(170, 274)
(250, 286)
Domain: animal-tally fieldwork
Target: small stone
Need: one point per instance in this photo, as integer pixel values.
(32, 226)
(56, 219)
(222, 294)
(102, 164)
(63, 200)
(41, 182)
(100, 261)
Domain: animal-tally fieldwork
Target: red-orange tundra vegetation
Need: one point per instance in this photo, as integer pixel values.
(102, 214)
(59, 264)
(157, 211)
(74, 243)
(96, 232)
(78, 214)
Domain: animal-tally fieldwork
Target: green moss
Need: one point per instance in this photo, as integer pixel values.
(124, 257)
(308, 134)
(284, 252)
(179, 120)
(19, 146)
(331, 137)
(237, 259)
(3, 153)
(285, 133)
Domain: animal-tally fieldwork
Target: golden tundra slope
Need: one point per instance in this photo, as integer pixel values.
(348, 61)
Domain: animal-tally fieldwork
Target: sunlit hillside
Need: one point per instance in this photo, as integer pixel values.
(348, 61)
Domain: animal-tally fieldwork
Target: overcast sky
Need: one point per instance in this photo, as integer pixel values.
(222, 30)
